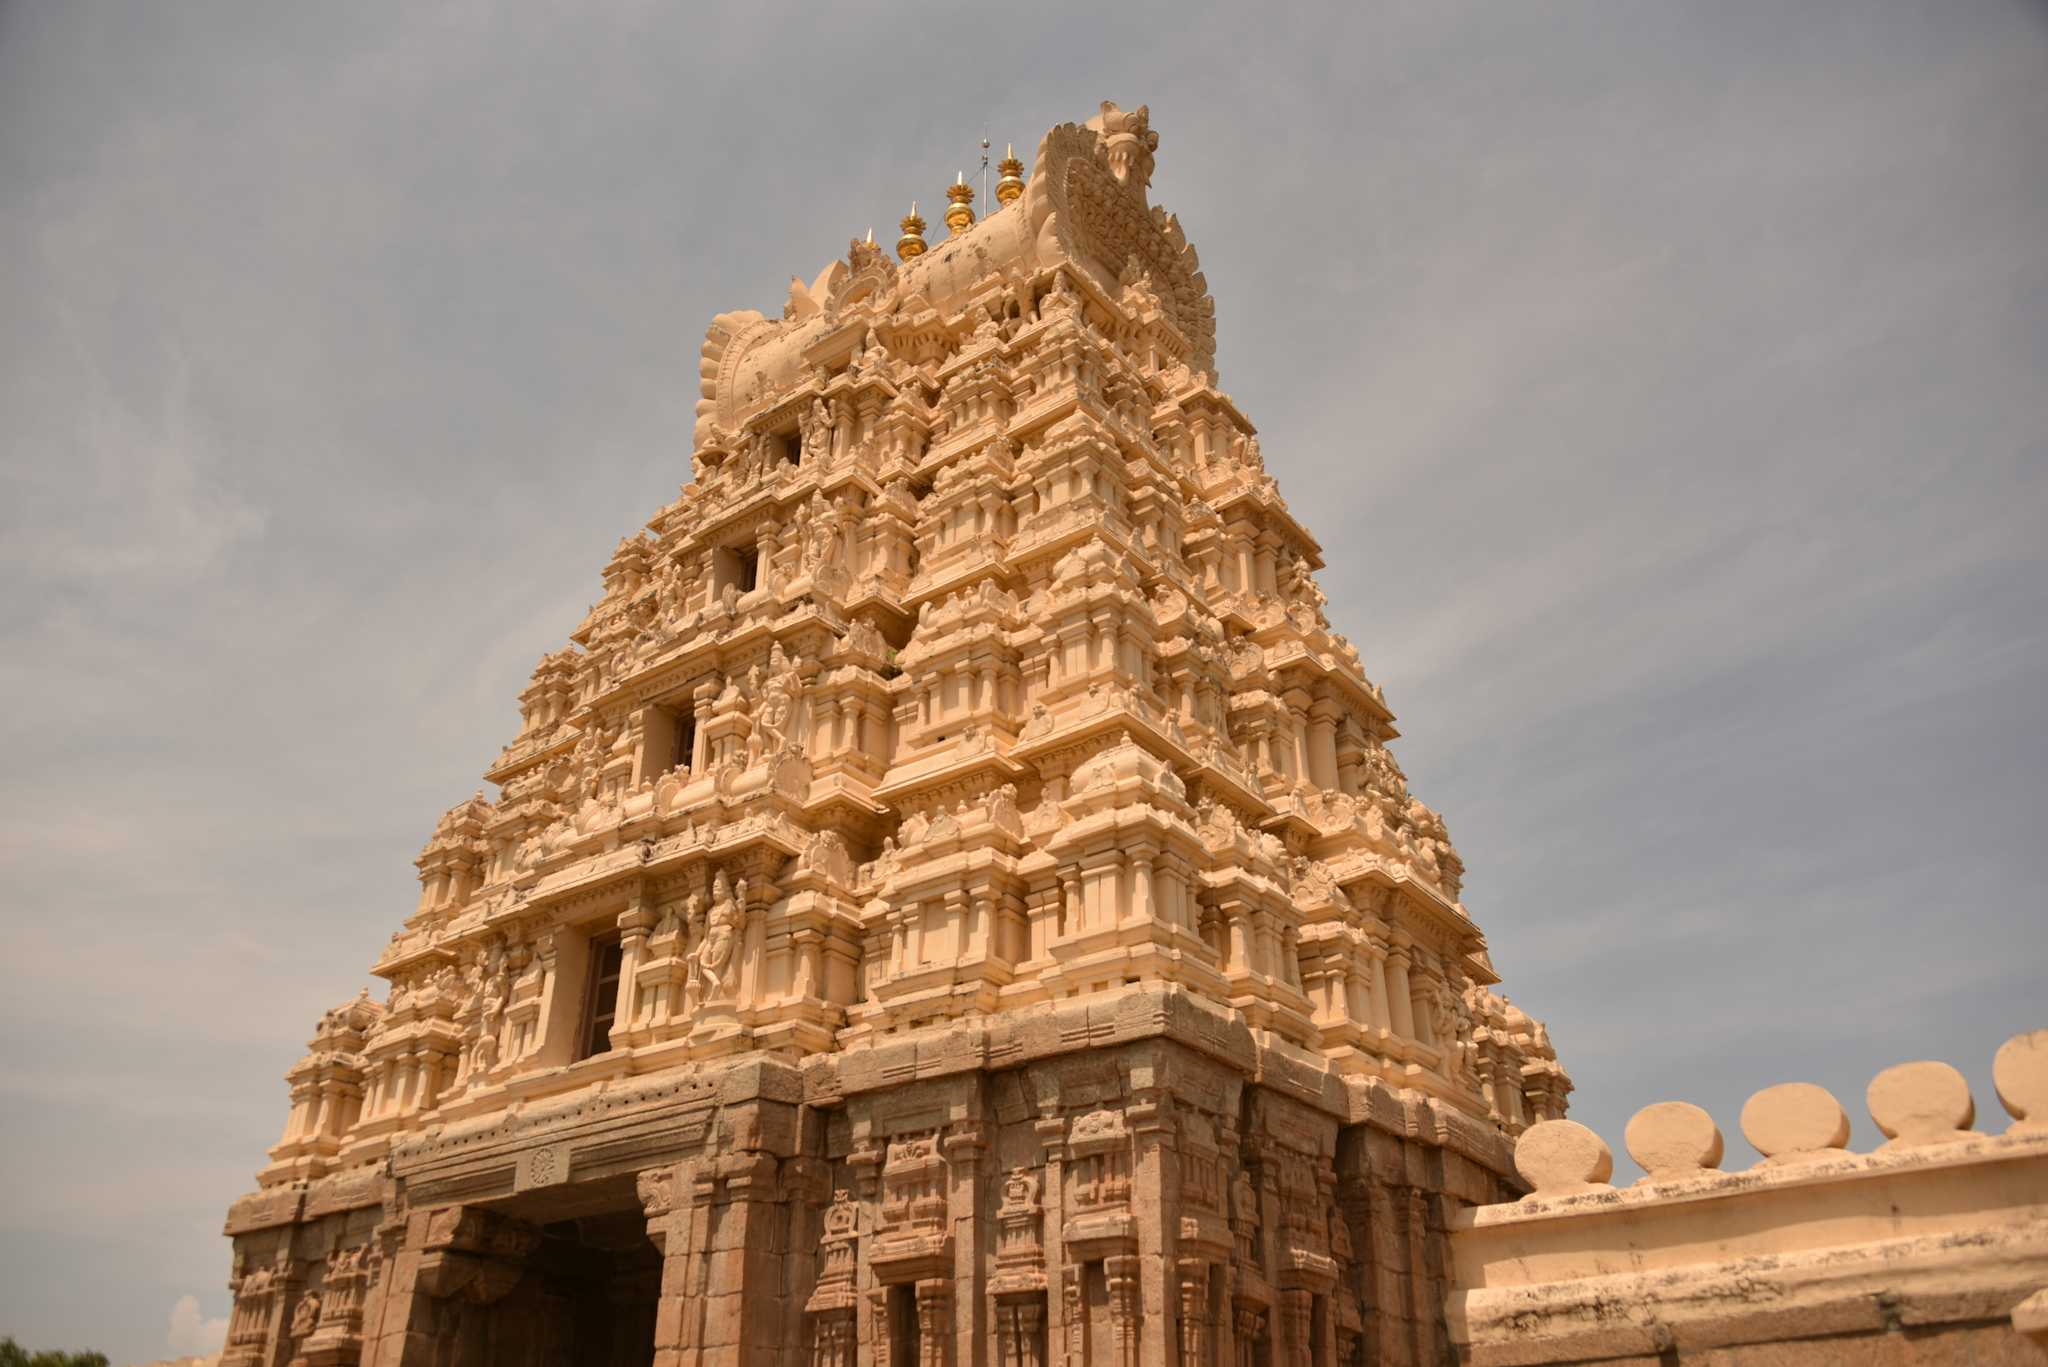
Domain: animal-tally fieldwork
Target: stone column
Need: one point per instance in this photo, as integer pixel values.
(1297, 1318)
(809, 979)
(1194, 1313)
(1263, 561)
(1238, 918)
(1401, 1006)
(964, 1147)
(1141, 856)
(1267, 942)
(1322, 743)
(634, 923)
(701, 701)
(1121, 1272)
(934, 1321)
(1381, 1019)
(1340, 989)
(874, 731)
(409, 1079)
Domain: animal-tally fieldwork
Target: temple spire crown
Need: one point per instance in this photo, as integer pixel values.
(912, 242)
(960, 212)
(1011, 187)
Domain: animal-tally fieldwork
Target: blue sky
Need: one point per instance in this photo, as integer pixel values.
(1665, 382)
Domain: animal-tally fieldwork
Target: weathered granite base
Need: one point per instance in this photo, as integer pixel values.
(1125, 1178)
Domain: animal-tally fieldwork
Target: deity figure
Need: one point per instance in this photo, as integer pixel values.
(306, 1318)
(821, 535)
(1452, 1023)
(775, 716)
(714, 968)
(815, 429)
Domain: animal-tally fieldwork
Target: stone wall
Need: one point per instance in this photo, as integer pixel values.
(1123, 1179)
(1933, 1248)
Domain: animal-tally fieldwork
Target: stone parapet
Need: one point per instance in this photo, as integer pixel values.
(1925, 1250)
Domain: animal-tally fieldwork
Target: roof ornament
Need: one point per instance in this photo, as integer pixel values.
(960, 212)
(912, 242)
(1129, 142)
(1011, 186)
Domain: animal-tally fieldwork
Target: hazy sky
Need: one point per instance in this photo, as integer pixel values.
(1668, 384)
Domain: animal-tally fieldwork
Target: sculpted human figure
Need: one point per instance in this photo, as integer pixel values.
(842, 427)
(306, 1318)
(714, 967)
(816, 430)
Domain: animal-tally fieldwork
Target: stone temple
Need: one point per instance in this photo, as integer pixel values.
(950, 904)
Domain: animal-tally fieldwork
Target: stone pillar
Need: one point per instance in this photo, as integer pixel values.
(809, 970)
(701, 701)
(1382, 1020)
(1121, 1272)
(1322, 743)
(1141, 857)
(1340, 989)
(1194, 1313)
(1267, 945)
(934, 1322)
(873, 730)
(634, 923)
(825, 728)
(1400, 1005)
(964, 1147)
(1297, 1321)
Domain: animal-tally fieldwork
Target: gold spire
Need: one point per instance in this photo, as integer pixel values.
(912, 242)
(1012, 183)
(960, 213)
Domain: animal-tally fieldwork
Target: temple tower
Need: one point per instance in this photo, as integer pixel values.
(950, 904)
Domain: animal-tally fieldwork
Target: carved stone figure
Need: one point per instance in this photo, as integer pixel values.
(714, 969)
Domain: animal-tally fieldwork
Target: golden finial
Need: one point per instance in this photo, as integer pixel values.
(960, 213)
(1012, 183)
(912, 242)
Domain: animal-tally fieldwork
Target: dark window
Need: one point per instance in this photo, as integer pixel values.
(602, 1004)
(686, 740)
(735, 567)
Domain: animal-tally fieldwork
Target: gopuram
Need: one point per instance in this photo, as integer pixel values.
(951, 902)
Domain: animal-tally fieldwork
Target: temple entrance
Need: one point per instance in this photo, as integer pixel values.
(602, 1277)
(570, 1281)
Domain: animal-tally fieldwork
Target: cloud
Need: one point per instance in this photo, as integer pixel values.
(191, 1332)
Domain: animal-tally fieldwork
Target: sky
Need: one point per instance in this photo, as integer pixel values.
(1664, 380)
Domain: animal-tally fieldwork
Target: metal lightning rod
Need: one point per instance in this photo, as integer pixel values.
(984, 170)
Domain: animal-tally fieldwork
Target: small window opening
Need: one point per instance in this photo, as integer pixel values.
(601, 1006)
(736, 566)
(686, 741)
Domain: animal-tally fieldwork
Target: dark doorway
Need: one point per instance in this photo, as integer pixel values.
(605, 1276)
